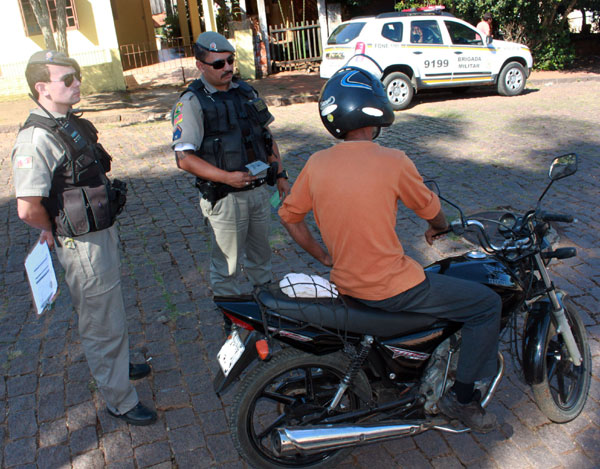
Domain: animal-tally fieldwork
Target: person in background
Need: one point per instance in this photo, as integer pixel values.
(485, 25)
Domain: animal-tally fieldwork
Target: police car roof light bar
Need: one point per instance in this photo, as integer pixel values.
(423, 9)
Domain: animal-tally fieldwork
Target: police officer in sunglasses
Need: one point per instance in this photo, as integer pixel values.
(59, 173)
(220, 127)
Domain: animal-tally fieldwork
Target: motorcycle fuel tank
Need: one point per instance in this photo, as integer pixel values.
(476, 267)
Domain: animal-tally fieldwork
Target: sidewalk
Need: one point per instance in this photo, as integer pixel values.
(150, 104)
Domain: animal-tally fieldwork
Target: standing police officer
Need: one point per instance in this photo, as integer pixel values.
(220, 126)
(61, 187)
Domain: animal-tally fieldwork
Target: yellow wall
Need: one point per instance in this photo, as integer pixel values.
(94, 45)
(133, 22)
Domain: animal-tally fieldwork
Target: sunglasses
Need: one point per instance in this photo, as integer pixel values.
(219, 64)
(69, 78)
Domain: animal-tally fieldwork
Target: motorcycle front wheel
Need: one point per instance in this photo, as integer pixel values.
(563, 393)
(291, 389)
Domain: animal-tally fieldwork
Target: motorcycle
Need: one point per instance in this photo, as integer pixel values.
(321, 376)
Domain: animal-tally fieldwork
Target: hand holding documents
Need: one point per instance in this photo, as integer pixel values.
(257, 167)
(41, 275)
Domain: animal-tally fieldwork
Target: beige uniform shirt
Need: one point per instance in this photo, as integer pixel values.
(35, 156)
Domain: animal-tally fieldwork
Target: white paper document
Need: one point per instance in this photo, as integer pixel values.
(257, 167)
(41, 275)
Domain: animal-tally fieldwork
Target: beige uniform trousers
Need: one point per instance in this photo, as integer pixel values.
(239, 224)
(93, 274)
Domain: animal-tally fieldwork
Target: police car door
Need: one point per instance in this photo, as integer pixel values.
(471, 58)
(426, 43)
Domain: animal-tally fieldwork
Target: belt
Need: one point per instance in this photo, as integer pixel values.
(253, 185)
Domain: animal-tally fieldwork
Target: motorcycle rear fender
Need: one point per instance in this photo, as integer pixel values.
(221, 383)
(538, 324)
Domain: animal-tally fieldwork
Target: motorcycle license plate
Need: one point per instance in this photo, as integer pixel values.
(230, 352)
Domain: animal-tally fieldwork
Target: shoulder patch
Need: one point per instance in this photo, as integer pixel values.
(177, 133)
(24, 162)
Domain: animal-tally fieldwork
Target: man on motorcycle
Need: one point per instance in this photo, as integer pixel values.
(353, 189)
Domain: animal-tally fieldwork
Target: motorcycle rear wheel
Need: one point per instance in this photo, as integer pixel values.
(563, 393)
(287, 390)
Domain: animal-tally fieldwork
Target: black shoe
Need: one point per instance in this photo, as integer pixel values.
(139, 370)
(140, 415)
(471, 414)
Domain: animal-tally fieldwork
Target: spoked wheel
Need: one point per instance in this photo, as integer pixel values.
(292, 389)
(562, 395)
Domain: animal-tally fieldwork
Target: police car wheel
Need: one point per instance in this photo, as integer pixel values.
(512, 79)
(399, 90)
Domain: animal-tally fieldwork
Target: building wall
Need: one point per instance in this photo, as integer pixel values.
(94, 45)
(133, 21)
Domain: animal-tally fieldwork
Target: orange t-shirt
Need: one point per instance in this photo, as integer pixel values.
(353, 189)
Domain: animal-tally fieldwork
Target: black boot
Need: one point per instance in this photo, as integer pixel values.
(139, 370)
(140, 415)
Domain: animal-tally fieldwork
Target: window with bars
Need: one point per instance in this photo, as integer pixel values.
(30, 23)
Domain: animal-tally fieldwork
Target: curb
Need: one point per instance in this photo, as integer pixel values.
(549, 81)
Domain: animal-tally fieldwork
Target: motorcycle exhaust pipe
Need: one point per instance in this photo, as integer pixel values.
(321, 438)
(310, 440)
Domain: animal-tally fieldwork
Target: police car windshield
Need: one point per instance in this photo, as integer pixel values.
(345, 33)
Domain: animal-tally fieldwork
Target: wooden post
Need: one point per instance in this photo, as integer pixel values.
(264, 30)
(322, 10)
(194, 18)
(210, 19)
(183, 24)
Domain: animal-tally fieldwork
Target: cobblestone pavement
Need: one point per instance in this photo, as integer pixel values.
(484, 150)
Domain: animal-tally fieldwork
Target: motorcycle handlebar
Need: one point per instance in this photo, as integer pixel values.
(564, 218)
(560, 253)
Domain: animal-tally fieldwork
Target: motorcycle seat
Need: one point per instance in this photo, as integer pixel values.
(345, 314)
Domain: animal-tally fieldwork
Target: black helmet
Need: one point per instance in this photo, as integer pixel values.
(351, 99)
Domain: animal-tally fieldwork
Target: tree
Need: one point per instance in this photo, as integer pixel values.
(42, 16)
(61, 26)
(44, 20)
(540, 24)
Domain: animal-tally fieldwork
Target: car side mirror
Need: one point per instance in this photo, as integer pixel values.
(488, 40)
(563, 166)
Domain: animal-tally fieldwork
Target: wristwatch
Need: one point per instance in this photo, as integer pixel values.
(283, 174)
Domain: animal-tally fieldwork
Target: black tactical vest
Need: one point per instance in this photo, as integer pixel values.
(234, 126)
(82, 199)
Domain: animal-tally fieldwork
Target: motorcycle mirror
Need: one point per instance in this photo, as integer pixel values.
(563, 166)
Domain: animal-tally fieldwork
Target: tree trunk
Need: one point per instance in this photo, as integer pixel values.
(61, 26)
(568, 11)
(42, 15)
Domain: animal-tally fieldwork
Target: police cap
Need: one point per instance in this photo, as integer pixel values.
(214, 42)
(52, 57)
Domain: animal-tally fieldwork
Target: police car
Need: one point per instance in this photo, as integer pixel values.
(428, 48)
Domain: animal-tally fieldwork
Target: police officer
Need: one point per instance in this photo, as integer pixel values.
(220, 126)
(62, 189)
